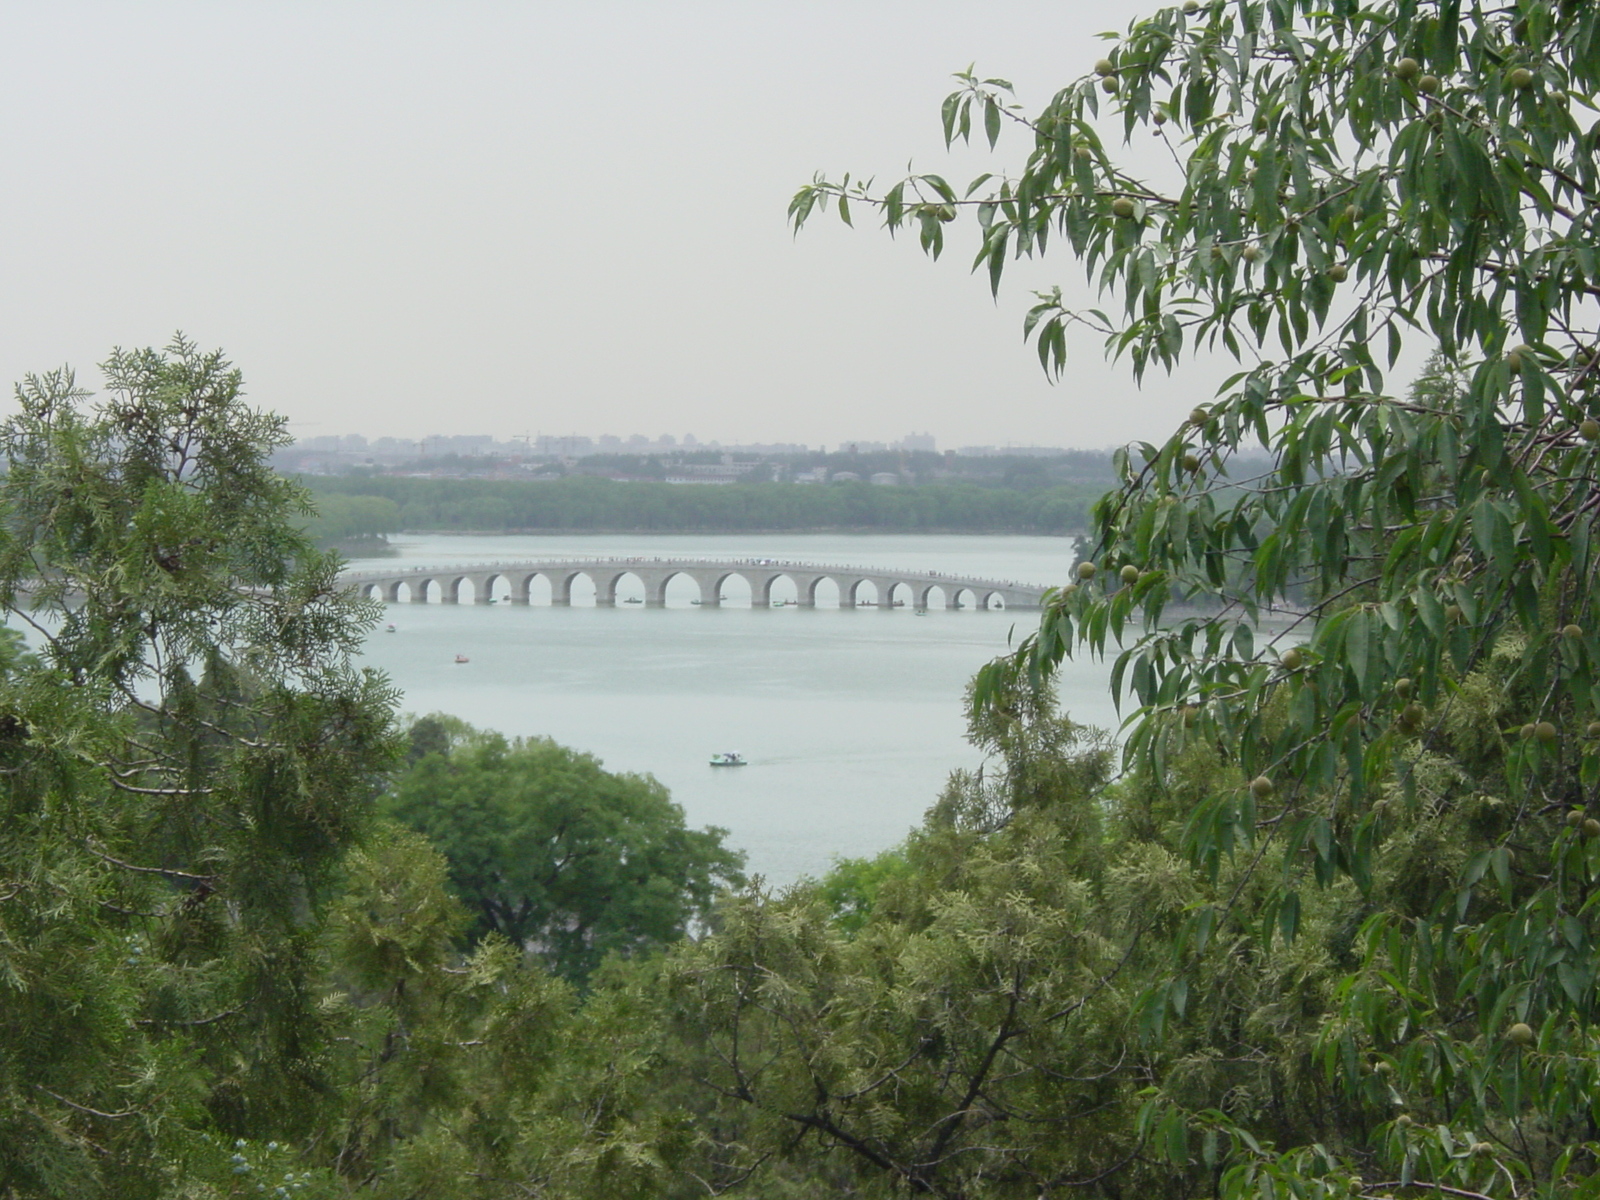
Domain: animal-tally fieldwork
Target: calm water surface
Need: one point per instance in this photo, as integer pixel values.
(850, 720)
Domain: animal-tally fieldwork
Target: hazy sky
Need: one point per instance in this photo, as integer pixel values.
(509, 218)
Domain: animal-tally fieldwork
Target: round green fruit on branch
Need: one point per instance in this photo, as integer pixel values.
(1546, 731)
(1574, 818)
(1292, 659)
(1083, 152)
(1158, 118)
(1407, 68)
(1402, 687)
(1572, 633)
(1591, 828)
(1105, 68)
(1130, 574)
(1108, 85)
(1589, 429)
(1191, 7)
(1191, 463)
(1520, 1034)
(1405, 1121)
(1428, 84)
(1122, 207)
(1594, 729)
(1198, 417)
(1521, 79)
(1352, 213)
(1481, 1150)
(1338, 272)
(1261, 787)
(1453, 613)
(1086, 571)
(1250, 253)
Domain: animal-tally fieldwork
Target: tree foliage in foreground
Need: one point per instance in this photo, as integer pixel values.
(1349, 179)
(552, 852)
(183, 764)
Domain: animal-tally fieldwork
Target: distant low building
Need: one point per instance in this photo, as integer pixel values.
(884, 478)
(844, 477)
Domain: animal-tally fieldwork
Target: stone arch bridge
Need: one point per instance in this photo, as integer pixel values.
(892, 589)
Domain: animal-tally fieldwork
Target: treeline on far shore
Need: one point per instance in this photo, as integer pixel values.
(371, 507)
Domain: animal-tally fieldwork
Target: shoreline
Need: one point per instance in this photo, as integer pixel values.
(386, 549)
(702, 531)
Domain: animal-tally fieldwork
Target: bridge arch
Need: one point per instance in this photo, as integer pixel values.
(775, 587)
(564, 583)
(854, 593)
(900, 594)
(732, 587)
(488, 583)
(613, 588)
(526, 587)
(925, 595)
(823, 590)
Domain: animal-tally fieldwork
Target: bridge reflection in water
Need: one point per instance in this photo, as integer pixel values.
(891, 589)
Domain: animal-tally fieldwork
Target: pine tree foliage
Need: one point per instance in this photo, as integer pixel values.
(187, 756)
(1399, 683)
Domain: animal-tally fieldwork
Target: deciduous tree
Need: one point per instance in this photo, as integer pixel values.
(553, 852)
(1407, 635)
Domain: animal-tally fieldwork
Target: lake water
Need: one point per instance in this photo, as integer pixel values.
(850, 721)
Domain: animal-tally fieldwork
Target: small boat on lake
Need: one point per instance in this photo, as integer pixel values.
(461, 658)
(388, 628)
(727, 759)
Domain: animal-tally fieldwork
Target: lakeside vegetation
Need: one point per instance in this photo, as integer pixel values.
(1325, 925)
(351, 507)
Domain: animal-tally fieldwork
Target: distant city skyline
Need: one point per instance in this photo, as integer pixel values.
(578, 445)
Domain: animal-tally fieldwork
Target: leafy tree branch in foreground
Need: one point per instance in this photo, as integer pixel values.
(1347, 180)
